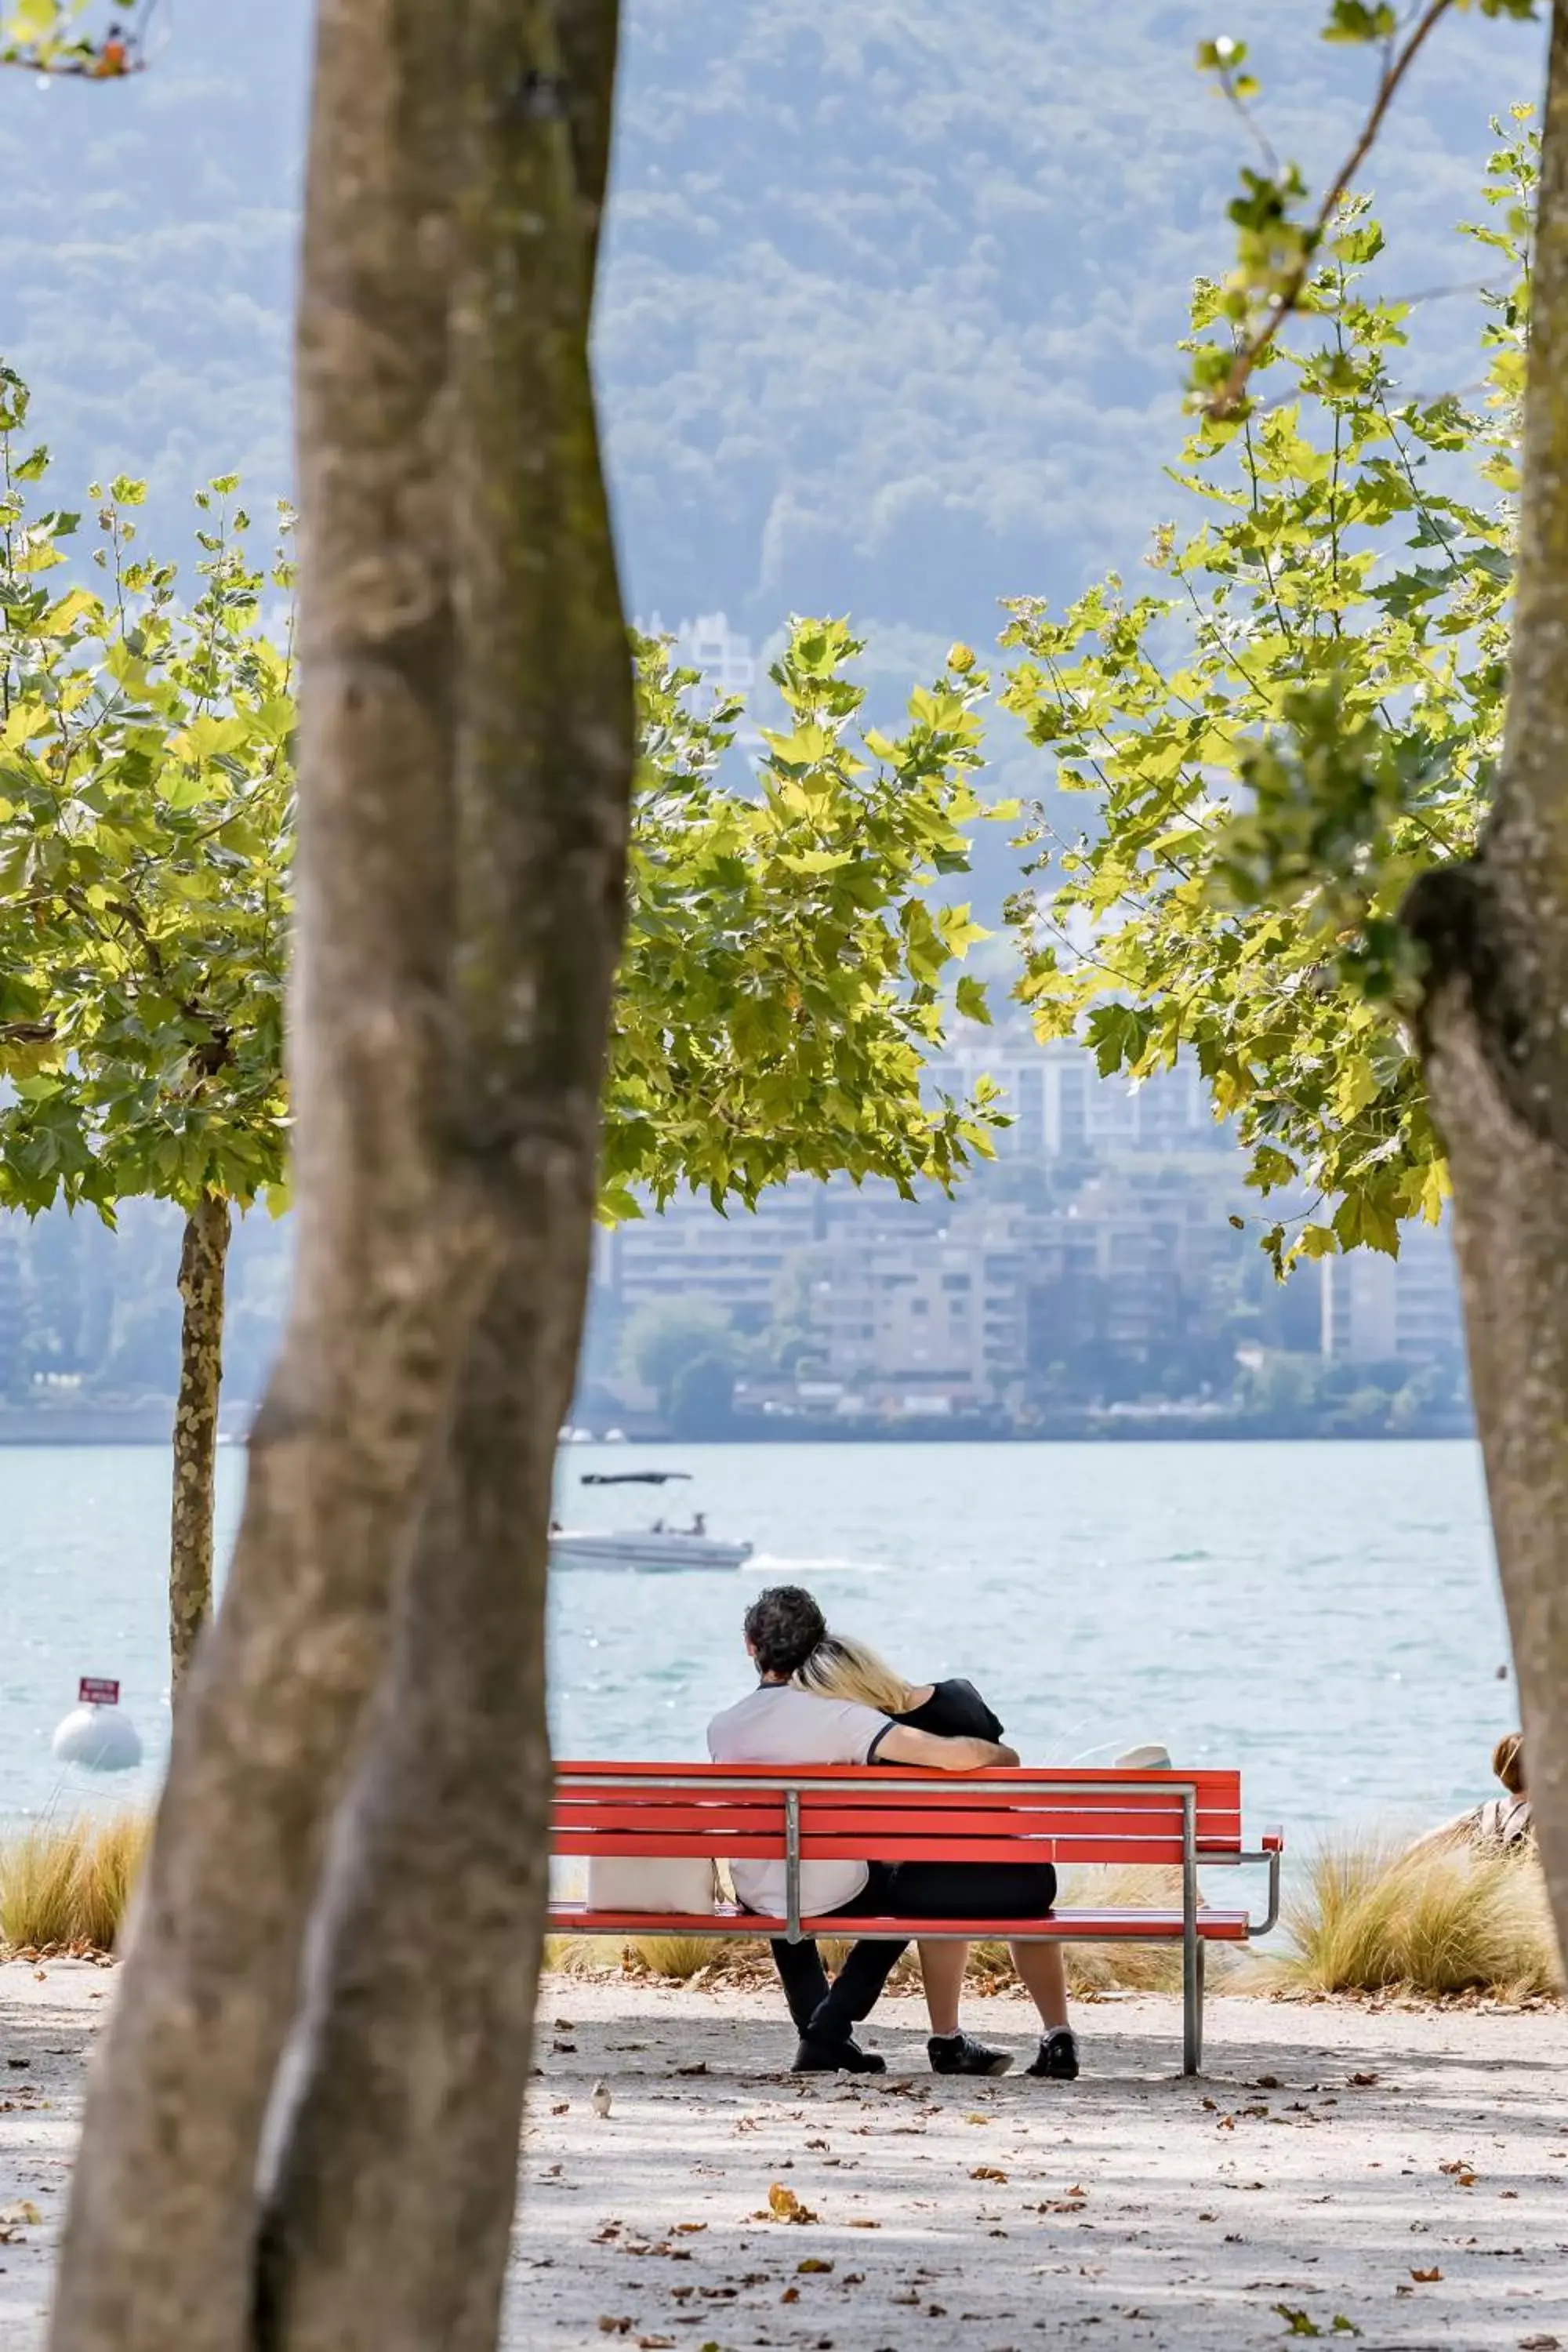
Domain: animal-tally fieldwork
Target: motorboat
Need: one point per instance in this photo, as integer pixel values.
(647, 1551)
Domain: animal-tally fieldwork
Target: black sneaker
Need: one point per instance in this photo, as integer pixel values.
(960, 2054)
(1057, 2056)
(826, 2057)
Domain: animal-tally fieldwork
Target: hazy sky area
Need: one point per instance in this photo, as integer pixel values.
(891, 287)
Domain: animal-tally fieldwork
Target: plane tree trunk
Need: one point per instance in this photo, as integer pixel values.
(391, 2204)
(203, 1253)
(398, 1234)
(1494, 1039)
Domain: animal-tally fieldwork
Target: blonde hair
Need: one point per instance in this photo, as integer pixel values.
(841, 1667)
(1508, 1763)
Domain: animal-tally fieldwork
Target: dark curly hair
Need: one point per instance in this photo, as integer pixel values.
(784, 1625)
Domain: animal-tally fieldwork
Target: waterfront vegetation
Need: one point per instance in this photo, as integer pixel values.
(1365, 1919)
(66, 1883)
(1361, 1919)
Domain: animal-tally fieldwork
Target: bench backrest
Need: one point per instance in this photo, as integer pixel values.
(1063, 1814)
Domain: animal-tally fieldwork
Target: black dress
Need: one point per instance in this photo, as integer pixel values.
(959, 1890)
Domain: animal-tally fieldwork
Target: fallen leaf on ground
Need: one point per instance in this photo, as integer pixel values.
(1343, 2327)
(987, 2172)
(1364, 2081)
(608, 2327)
(785, 2206)
(1296, 2322)
(561, 2107)
(1267, 2083)
(1427, 2278)
(25, 2212)
(865, 2225)
(790, 2294)
(689, 2229)
(654, 2343)
(813, 2262)
(701, 2068)
(976, 2119)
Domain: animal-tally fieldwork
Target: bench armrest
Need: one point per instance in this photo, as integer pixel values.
(1270, 1851)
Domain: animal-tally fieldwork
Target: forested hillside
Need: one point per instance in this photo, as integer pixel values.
(892, 287)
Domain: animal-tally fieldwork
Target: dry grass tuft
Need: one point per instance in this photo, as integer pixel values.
(1443, 1921)
(68, 1883)
(110, 1863)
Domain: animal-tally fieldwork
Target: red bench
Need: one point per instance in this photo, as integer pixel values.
(874, 1813)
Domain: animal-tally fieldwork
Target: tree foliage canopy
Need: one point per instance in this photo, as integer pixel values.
(146, 809)
(1282, 742)
(785, 972)
(785, 967)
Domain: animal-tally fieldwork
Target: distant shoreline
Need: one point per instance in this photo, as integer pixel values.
(150, 1425)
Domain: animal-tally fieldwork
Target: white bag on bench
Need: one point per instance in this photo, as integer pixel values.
(675, 1883)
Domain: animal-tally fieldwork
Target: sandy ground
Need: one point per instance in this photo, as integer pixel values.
(1330, 2157)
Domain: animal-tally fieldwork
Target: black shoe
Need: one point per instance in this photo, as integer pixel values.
(1058, 2055)
(960, 2054)
(825, 2057)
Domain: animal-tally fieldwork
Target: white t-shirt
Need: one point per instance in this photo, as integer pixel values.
(778, 1724)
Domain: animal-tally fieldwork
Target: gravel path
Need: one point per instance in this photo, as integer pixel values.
(1331, 2155)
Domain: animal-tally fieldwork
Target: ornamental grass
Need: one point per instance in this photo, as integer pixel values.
(1434, 1922)
(68, 1884)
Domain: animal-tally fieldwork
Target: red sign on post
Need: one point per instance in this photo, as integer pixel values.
(94, 1691)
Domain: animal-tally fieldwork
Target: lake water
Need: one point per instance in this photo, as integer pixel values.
(1324, 1615)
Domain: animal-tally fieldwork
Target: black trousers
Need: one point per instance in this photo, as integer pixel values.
(930, 1890)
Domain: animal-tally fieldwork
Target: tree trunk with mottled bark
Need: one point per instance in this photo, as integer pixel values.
(398, 1234)
(204, 1252)
(407, 2135)
(1494, 1038)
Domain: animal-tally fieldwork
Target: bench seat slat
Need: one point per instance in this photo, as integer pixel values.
(1154, 1854)
(1080, 1923)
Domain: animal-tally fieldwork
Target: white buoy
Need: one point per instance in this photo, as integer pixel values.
(95, 1734)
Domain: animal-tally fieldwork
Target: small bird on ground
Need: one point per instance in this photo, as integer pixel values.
(599, 2098)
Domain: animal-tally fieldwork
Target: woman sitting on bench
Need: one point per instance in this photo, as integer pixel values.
(841, 1667)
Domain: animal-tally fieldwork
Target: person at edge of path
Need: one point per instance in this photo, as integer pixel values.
(842, 1668)
(780, 1724)
(1502, 1825)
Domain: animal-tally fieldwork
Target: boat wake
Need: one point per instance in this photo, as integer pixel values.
(777, 1563)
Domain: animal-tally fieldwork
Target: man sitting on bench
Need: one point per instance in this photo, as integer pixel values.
(781, 1725)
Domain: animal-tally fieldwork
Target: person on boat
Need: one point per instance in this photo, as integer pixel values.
(841, 1667)
(781, 1724)
(1503, 1824)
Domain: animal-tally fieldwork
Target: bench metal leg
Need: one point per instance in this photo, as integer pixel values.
(1193, 2010)
(1191, 1945)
